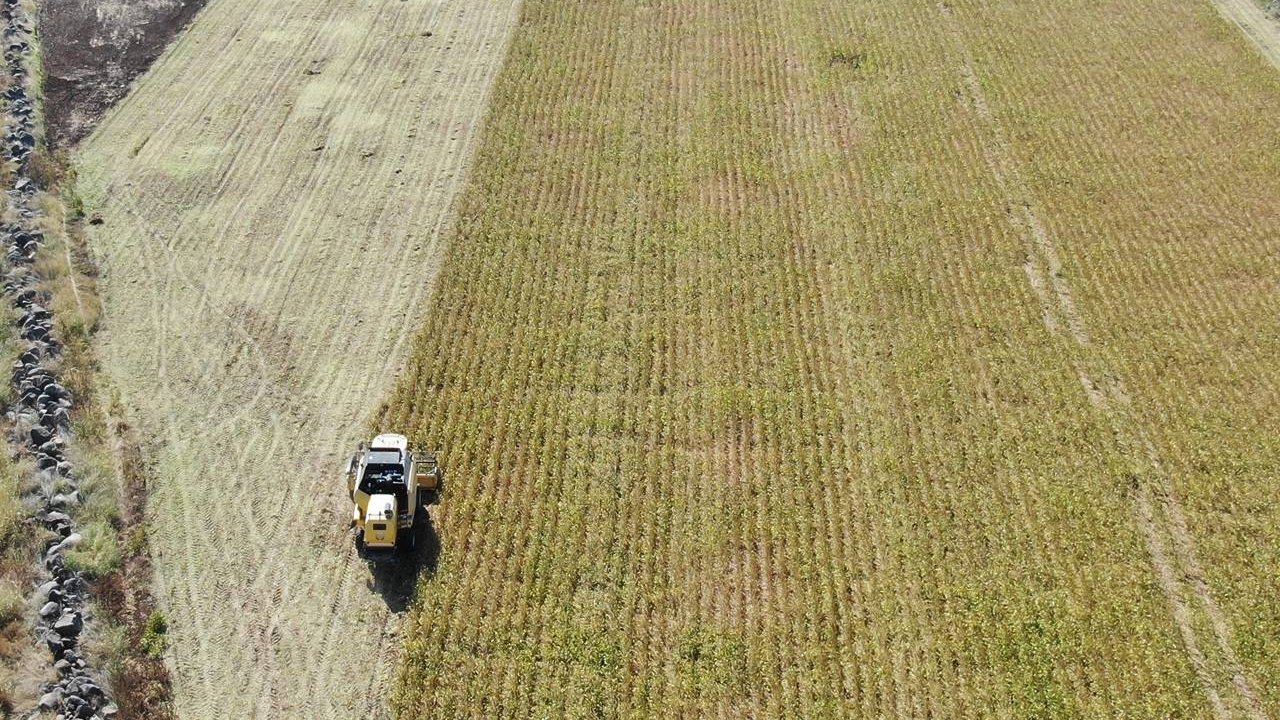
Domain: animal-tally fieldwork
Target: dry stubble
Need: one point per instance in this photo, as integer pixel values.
(273, 195)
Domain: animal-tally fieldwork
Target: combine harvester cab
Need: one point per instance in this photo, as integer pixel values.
(390, 486)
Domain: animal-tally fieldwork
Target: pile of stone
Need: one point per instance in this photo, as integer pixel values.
(41, 413)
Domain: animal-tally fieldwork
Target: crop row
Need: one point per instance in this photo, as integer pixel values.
(746, 400)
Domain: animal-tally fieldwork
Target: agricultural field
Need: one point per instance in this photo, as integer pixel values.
(867, 359)
(266, 207)
(909, 358)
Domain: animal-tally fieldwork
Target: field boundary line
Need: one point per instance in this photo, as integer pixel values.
(1107, 393)
(1253, 21)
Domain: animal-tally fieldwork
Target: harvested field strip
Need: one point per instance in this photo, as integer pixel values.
(272, 197)
(749, 408)
(1259, 24)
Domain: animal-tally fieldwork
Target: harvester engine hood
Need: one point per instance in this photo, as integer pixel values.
(380, 522)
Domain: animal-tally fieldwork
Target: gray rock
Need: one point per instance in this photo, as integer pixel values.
(71, 541)
(69, 625)
(49, 610)
(51, 699)
(65, 499)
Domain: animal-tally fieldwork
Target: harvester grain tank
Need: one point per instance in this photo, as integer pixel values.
(390, 485)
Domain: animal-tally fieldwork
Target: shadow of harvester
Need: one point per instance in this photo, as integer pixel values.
(397, 581)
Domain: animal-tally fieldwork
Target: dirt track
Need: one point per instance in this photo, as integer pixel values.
(273, 196)
(1254, 23)
(1160, 516)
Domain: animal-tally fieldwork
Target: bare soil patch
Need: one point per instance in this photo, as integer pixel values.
(1261, 26)
(93, 51)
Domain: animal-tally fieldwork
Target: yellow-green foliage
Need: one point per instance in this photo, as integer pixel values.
(12, 603)
(10, 507)
(747, 405)
(98, 552)
(154, 634)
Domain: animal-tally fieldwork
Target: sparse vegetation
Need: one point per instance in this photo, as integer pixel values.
(12, 604)
(11, 510)
(139, 682)
(18, 548)
(112, 502)
(19, 544)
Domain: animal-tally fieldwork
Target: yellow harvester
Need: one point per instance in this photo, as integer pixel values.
(389, 485)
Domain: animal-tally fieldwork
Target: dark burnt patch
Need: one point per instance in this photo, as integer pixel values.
(91, 57)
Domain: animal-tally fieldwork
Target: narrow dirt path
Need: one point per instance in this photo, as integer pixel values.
(272, 199)
(1254, 23)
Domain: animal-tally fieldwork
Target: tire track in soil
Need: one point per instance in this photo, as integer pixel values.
(259, 288)
(1158, 511)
